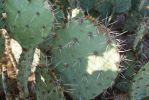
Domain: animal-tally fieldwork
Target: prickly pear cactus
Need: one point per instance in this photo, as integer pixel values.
(29, 21)
(46, 88)
(85, 58)
(140, 84)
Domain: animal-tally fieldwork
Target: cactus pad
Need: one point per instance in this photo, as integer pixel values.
(85, 58)
(29, 21)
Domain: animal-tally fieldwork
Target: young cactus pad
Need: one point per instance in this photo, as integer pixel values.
(29, 21)
(85, 58)
(140, 85)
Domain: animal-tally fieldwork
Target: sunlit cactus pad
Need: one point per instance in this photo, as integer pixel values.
(85, 57)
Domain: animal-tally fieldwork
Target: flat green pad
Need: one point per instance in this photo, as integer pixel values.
(85, 59)
(29, 21)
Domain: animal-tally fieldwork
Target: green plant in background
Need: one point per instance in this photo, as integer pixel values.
(85, 59)
(105, 7)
